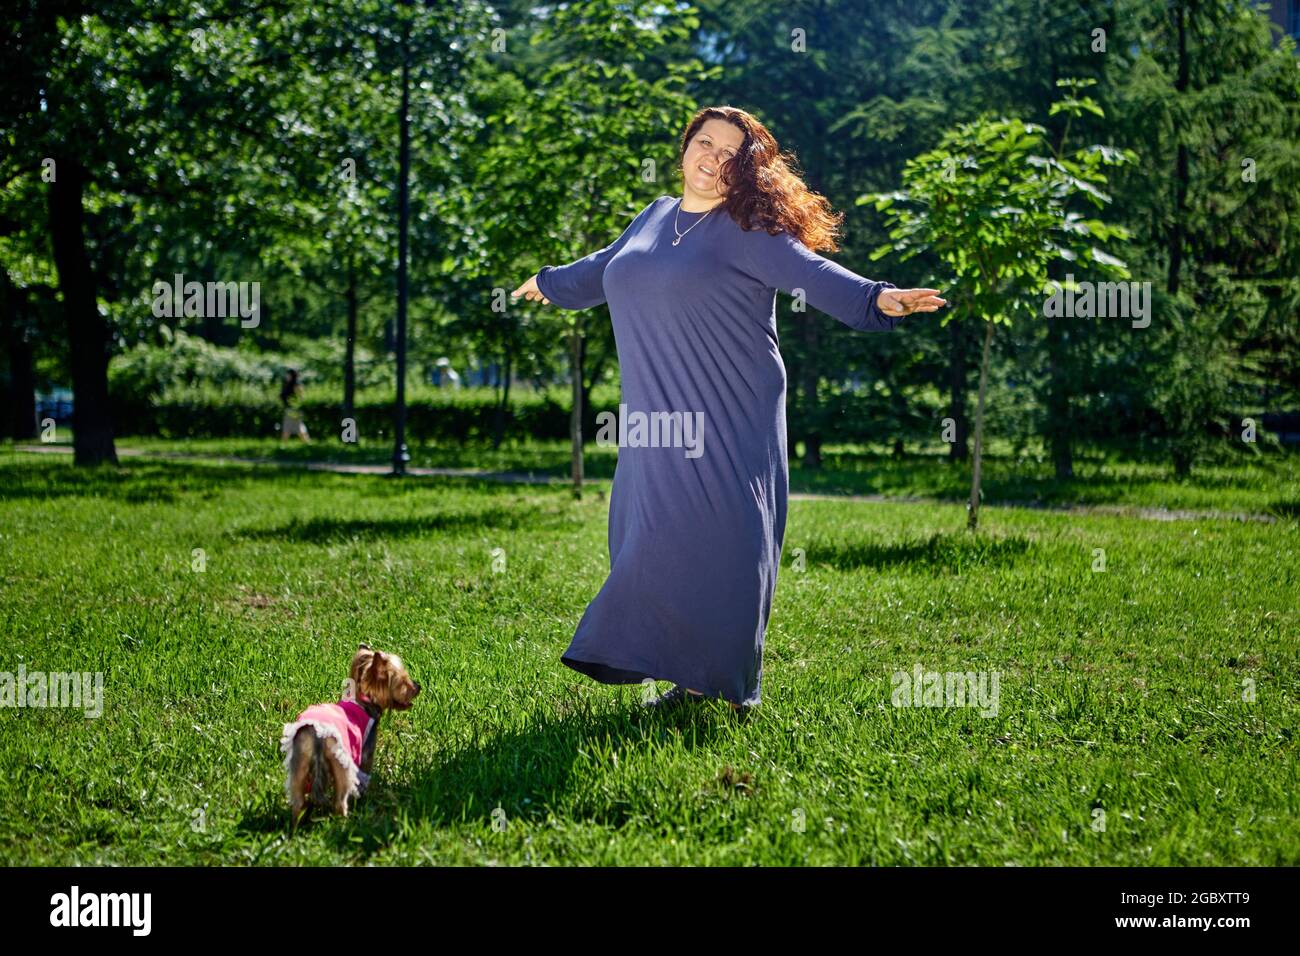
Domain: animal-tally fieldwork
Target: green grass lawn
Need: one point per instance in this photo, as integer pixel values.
(1122, 693)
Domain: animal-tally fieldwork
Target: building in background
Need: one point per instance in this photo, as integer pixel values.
(1286, 14)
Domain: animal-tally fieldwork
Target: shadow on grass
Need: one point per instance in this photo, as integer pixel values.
(135, 481)
(1284, 509)
(955, 552)
(554, 462)
(321, 530)
(1006, 480)
(525, 773)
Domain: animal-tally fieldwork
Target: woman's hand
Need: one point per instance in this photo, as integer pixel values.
(530, 291)
(906, 301)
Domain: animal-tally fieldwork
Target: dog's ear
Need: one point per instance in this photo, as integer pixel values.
(363, 647)
(375, 680)
(360, 663)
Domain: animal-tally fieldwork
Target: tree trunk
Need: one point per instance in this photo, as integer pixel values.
(591, 375)
(22, 389)
(794, 430)
(575, 419)
(1181, 173)
(20, 423)
(400, 453)
(812, 437)
(1059, 424)
(972, 520)
(503, 409)
(211, 327)
(1182, 464)
(90, 339)
(959, 449)
(349, 354)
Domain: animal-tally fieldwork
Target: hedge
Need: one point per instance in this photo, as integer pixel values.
(244, 412)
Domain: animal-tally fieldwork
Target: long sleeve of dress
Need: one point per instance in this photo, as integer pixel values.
(783, 262)
(580, 285)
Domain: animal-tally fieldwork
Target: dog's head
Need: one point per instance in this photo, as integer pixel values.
(382, 678)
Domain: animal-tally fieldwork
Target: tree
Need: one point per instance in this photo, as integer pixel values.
(111, 102)
(1212, 105)
(994, 206)
(852, 89)
(28, 302)
(583, 153)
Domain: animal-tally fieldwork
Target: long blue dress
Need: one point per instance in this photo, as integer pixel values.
(695, 533)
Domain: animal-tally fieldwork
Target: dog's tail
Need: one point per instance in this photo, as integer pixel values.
(306, 764)
(320, 777)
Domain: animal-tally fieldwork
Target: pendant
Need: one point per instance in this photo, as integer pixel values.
(677, 240)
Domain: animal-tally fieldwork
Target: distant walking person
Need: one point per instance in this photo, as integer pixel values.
(291, 399)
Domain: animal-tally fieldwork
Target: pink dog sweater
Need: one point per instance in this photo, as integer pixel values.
(344, 727)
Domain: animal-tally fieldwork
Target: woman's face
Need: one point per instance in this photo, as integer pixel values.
(715, 142)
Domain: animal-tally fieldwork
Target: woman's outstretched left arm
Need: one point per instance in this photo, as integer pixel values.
(868, 305)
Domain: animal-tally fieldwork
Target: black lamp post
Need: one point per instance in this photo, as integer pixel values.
(400, 454)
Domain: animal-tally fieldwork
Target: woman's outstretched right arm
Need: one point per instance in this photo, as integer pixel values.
(578, 285)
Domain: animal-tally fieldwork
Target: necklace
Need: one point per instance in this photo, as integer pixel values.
(680, 234)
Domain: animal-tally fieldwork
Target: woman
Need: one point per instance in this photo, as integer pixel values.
(695, 539)
(290, 397)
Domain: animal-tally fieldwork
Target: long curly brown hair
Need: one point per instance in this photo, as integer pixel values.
(764, 189)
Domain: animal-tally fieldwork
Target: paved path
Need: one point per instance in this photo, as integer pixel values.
(529, 478)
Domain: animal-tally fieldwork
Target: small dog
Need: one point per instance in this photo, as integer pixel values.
(335, 743)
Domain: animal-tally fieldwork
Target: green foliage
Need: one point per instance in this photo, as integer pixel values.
(997, 208)
(245, 409)
(1212, 105)
(563, 148)
(225, 140)
(1199, 400)
(184, 360)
